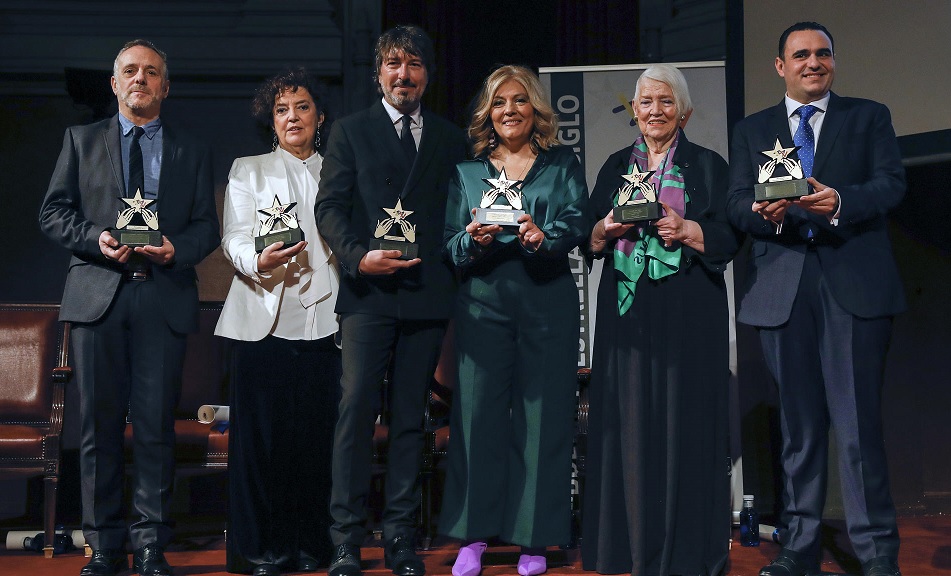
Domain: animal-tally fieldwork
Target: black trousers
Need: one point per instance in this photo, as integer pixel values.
(128, 363)
(368, 343)
(283, 411)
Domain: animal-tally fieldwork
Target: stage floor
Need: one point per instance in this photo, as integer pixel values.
(925, 551)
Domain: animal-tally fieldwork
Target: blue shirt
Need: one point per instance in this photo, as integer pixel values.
(151, 144)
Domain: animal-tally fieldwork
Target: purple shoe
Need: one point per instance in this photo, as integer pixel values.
(469, 560)
(531, 565)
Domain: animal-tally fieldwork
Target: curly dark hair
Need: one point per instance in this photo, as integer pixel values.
(262, 106)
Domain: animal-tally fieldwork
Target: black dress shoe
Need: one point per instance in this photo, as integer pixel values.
(307, 563)
(106, 563)
(346, 561)
(788, 563)
(149, 560)
(881, 566)
(266, 570)
(400, 556)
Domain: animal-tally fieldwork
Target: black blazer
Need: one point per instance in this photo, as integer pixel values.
(83, 199)
(857, 155)
(364, 171)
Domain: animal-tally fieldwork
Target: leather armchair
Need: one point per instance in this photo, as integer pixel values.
(34, 353)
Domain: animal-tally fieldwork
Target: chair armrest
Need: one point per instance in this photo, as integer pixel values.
(584, 379)
(61, 374)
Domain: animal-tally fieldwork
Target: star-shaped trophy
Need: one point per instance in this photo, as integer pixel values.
(136, 224)
(489, 212)
(405, 242)
(637, 198)
(789, 185)
(280, 226)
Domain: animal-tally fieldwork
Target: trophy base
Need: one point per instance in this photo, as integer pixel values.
(627, 213)
(498, 216)
(410, 250)
(133, 238)
(289, 237)
(770, 191)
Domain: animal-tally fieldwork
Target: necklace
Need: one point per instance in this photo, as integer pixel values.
(500, 165)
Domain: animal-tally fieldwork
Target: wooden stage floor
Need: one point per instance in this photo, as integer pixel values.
(925, 551)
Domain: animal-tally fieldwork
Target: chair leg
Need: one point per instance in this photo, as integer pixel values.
(427, 511)
(49, 514)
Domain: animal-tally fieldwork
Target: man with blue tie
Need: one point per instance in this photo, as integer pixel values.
(130, 308)
(822, 288)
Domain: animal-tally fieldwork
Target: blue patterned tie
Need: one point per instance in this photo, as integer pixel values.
(805, 138)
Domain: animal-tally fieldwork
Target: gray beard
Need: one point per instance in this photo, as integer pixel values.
(400, 101)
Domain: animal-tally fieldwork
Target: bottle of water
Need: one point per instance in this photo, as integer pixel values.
(62, 543)
(749, 523)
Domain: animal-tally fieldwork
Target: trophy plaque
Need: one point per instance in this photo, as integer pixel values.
(406, 243)
(280, 226)
(791, 185)
(137, 225)
(637, 199)
(489, 212)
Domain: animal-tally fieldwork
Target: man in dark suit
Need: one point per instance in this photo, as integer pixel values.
(822, 289)
(131, 308)
(375, 186)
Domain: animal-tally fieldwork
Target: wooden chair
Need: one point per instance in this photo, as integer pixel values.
(34, 352)
(436, 442)
(579, 456)
(435, 452)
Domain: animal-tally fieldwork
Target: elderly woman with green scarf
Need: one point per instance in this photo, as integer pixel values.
(657, 485)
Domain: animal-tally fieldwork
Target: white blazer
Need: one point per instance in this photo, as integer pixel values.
(254, 299)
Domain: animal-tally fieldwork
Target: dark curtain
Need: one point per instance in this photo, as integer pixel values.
(597, 33)
(472, 38)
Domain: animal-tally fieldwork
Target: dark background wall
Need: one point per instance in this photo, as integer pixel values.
(56, 56)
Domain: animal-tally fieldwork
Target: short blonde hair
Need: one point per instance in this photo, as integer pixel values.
(545, 130)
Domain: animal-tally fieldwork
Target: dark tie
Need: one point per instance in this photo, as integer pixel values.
(136, 166)
(805, 138)
(407, 140)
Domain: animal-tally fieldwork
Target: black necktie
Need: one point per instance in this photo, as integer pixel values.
(136, 166)
(407, 140)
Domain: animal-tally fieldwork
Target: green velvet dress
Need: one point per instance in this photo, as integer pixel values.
(516, 329)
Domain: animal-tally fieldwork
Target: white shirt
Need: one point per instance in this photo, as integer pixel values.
(416, 127)
(295, 321)
(817, 118)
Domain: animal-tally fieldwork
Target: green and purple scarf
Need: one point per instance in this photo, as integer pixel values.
(631, 257)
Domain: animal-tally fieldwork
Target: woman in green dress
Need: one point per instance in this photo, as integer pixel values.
(517, 327)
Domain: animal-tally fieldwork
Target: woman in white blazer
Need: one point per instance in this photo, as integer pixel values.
(285, 365)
